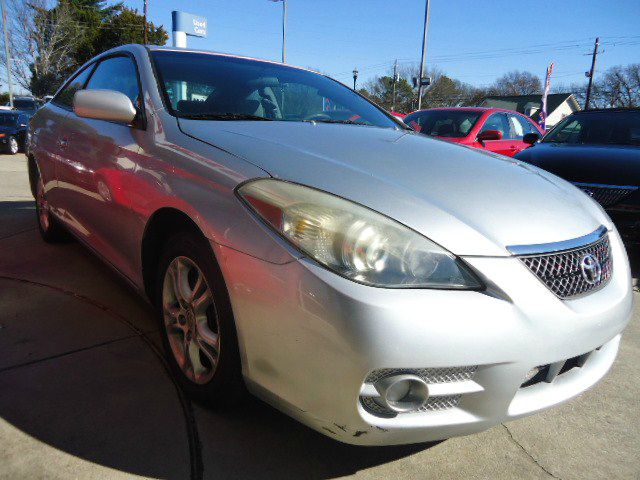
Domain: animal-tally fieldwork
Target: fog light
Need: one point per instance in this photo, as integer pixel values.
(402, 393)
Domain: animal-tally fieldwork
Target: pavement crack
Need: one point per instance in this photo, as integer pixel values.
(15, 234)
(193, 438)
(528, 454)
(64, 354)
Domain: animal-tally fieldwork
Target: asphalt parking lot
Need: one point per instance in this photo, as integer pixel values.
(84, 394)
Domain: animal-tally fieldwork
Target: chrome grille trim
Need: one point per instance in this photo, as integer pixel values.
(545, 248)
(561, 272)
(606, 195)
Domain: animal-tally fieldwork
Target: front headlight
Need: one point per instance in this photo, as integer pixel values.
(354, 241)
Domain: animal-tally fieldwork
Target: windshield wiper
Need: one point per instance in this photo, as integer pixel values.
(223, 116)
(331, 120)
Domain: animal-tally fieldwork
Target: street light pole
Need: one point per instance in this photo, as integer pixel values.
(146, 38)
(7, 51)
(424, 52)
(284, 29)
(355, 77)
(395, 79)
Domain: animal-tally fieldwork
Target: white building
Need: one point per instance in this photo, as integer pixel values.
(559, 105)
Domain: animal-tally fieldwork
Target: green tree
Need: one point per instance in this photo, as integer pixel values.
(380, 91)
(50, 43)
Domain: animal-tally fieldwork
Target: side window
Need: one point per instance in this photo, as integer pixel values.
(497, 121)
(527, 126)
(64, 98)
(517, 128)
(119, 74)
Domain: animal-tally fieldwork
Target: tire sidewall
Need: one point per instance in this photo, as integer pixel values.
(13, 141)
(226, 387)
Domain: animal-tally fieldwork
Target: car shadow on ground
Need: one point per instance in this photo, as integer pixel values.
(75, 378)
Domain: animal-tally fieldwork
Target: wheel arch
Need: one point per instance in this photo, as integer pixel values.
(161, 225)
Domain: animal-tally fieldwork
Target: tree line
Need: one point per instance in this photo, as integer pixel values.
(49, 43)
(617, 87)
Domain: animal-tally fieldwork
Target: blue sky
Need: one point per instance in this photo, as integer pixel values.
(472, 40)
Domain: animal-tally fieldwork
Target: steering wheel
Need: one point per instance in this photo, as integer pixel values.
(317, 117)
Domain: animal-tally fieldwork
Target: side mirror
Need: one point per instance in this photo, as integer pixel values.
(531, 138)
(489, 135)
(104, 105)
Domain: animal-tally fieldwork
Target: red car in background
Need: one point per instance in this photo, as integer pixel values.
(494, 129)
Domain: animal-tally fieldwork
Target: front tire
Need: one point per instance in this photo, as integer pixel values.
(13, 146)
(198, 329)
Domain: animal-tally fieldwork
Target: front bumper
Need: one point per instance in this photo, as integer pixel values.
(309, 338)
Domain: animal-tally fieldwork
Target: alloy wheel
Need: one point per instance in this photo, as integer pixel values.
(190, 320)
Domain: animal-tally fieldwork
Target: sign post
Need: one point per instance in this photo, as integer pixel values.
(187, 24)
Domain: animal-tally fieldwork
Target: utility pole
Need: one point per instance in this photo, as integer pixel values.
(146, 39)
(424, 53)
(395, 79)
(7, 52)
(591, 72)
(355, 77)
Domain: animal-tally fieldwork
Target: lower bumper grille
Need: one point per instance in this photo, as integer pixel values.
(548, 373)
(445, 387)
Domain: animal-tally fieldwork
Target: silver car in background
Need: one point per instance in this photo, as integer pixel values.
(379, 286)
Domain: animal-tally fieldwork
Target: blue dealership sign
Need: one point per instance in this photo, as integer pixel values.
(192, 25)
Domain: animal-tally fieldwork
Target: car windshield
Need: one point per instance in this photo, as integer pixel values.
(215, 87)
(598, 128)
(25, 104)
(8, 120)
(443, 123)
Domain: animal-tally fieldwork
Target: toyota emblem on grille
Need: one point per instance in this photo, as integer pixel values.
(591, 269)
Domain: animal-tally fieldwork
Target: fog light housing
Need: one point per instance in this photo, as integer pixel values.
(402, 393)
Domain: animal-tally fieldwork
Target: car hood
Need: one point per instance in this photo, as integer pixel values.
(606, 164)
(471, 203)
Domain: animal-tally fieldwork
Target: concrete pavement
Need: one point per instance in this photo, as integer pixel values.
(84, 394)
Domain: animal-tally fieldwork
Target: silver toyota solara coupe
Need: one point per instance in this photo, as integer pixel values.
(379, 286)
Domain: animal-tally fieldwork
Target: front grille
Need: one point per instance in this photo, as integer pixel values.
(563, 274)
(429, 375)
(605, 195)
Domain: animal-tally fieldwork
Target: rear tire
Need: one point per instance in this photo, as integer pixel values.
(50, 228)
(198, 329)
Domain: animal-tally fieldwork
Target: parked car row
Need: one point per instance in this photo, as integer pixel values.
(596, 150)
(14, 122)
(13, 130)
(493, 129)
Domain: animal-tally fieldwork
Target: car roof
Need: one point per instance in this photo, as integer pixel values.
(468, 109)
(155, 48)
(607, 110)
